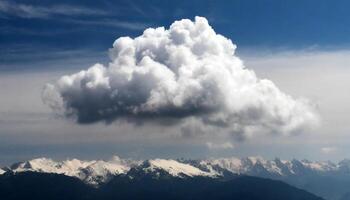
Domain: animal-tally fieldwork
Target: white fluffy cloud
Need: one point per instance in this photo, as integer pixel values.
(187, 75)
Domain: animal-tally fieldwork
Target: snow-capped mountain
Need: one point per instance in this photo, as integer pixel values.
(67, 167)
(258, 166)
(98, 171)
(92, 172)
(101, 171)
(323, 178)
(308, 175)
(173, 168)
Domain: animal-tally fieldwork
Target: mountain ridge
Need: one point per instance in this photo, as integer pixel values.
(313, 176)
(97, 171)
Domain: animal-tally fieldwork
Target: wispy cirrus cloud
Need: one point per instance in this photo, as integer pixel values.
(112, 23)
(72, 13)
(37, 11)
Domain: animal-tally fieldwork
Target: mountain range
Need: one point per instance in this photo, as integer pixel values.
(326, 179)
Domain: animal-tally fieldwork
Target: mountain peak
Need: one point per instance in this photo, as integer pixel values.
(175, 168)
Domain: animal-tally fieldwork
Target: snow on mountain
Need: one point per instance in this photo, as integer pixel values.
(67, 167)
(175, 168)
(98, 171)
(244, 165)
(320, 166)
(261, 167)
(232, 164)
(92, 172)
(101, 171)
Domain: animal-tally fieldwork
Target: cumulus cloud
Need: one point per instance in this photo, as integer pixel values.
(188, 75)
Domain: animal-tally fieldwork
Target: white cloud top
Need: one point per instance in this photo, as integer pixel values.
(187, 74)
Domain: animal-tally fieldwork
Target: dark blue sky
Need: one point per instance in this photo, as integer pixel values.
(47, 30)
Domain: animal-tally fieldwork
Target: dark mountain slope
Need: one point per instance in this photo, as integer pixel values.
(240, 188)
(40, 186)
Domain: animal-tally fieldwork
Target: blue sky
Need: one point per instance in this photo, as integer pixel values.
(302, 46)
(49, 28)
